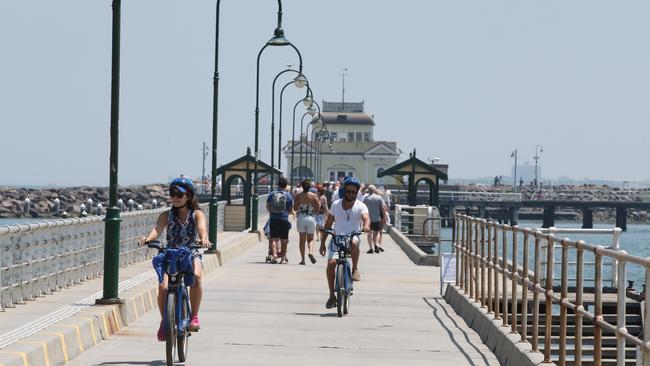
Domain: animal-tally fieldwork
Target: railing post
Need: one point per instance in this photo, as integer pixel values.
(458, 244)
(598, 331)
(490, 267)
(646, 318)
(620, 312)
(524, 288)
(470, 256)
(550, 242)
(505, 274)
(497, 269)
(579, 306)
(514, 280)
(616, 241)
(477, 260)
(563, 298)
(537, 288)
(482, 223)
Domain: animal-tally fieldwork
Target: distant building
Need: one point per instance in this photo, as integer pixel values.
(344, 147)
(526, 172)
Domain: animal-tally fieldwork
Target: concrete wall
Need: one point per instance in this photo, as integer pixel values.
(508, 347)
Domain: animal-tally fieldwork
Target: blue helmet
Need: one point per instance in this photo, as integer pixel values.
(346, 182)
(183, 184)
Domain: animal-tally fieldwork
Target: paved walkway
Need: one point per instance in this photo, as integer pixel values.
(261, 314)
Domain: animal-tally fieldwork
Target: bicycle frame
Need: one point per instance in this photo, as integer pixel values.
(176, 285)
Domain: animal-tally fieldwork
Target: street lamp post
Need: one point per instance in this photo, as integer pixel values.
(299, 81)
(514, 179)
(278, 39)
(112, 219)
(307, 101)
(538, 148)
(280, 119)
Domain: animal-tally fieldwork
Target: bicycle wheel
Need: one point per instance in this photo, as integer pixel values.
(348, 290)
(182, 339)
(170, 341)
(340, 288)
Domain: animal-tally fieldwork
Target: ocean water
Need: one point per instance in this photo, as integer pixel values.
(635, 241)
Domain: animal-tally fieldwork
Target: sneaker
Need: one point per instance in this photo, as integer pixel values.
(381, 249)
(356, 276)
(162, 336)
(312, 258)
(377, 250)
(195, 324)
(369, 251)
(331, 303)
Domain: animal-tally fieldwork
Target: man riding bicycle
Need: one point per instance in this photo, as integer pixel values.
(348, 215)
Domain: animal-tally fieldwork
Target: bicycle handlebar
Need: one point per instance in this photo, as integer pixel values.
(157, 244)
(332, 232)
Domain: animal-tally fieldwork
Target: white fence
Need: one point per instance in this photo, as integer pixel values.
(45, 256)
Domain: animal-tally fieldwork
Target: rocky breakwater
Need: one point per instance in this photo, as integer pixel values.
(42, 202)
(586, 192)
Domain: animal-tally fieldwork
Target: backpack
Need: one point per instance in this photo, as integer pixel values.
(278, 202)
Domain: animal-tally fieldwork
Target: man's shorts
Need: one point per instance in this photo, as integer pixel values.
(375, 226)
(279, 228)
(306, 224)
(332, 253)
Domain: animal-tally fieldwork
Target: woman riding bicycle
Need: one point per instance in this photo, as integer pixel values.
(185, 225)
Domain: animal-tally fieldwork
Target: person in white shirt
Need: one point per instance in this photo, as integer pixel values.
(346, 216)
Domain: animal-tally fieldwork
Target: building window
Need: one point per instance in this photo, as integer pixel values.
(332, 175)
(333, 136)
(351, 136)
(359, 137)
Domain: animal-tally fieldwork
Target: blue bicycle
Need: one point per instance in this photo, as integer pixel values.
(343, 275)
(177, 263)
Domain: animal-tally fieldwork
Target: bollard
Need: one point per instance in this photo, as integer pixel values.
(57, 207)
(26, 206)
(154, 203)
(139, 208)
(89, 205)
(130, 204)
(120, 204)
(82, 210)
(99, 210)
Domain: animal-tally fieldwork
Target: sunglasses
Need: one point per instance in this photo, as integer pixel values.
(347, 191)
(177, 194)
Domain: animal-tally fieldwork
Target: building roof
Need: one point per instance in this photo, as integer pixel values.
(413, 165)
(340, 118)
(262, 167)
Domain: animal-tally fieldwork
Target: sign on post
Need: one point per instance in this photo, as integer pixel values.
(447, 269)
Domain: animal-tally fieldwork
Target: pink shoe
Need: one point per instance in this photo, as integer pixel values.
(161, 332)
(195, 324)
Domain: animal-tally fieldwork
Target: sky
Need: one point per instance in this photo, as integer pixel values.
(464, 81)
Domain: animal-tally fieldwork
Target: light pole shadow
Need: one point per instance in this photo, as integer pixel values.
(444, 318)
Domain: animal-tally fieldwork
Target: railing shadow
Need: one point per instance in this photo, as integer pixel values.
(437, 308)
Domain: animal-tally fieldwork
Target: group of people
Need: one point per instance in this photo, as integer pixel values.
(346, 206)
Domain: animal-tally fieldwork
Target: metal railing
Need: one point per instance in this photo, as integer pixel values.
(45, 256)
(612, 262)
(501, 283)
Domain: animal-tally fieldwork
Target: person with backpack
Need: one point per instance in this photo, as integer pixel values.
(279, 204)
